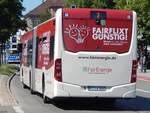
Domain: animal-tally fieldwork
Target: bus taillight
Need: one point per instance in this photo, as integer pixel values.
(134, 71)
(58, 71)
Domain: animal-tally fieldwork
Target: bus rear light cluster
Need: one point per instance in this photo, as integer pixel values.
(134, 71)
(58, 70)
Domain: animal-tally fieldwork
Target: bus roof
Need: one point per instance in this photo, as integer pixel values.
(85, 12)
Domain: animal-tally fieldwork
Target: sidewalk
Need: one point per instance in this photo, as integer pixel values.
(6, 98)
(142, 75)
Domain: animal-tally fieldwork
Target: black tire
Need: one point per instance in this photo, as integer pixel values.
(45, 99)
(24, 86)
(32, 91)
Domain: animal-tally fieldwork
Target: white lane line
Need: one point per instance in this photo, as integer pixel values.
(18, 109)
(141, 90)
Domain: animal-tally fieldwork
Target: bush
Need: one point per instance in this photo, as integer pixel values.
(7, 69)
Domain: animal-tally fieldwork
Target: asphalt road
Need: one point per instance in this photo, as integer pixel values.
(143, 88)
(28, 103)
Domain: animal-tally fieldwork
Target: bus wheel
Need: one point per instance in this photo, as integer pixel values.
(45, 99)
(24, 86)
(32, 91)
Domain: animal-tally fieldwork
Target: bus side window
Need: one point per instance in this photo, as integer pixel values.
(44, 39)
(24, 45)
(51, 48)
(37, 42)
(53, 22)
(29, 51)
(20, 47)
(40, 41)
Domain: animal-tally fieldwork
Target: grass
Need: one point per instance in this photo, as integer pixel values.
(7, 69)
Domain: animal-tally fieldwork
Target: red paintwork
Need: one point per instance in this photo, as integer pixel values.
(142, 77)
(26, 36)
(24, 39)
(85, 13)
(41, 29)
(47, 26)
(43, 60)
(115, 19)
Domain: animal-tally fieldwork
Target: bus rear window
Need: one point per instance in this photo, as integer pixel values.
(98, 32)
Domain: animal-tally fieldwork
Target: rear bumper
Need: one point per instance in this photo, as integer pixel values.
(69, 90)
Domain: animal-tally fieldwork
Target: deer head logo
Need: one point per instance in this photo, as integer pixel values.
(78, 33)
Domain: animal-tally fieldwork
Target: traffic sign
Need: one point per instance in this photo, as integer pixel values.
(13, 58)
(7, 46)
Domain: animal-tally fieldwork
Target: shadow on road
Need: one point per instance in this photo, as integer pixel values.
(138, 104)
(25, 98)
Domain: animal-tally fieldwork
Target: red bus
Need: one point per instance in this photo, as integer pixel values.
(82, 53)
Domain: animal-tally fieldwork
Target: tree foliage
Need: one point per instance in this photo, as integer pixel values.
(10, 18)
(141, 7)
(90, 3)
(45, 16)
(106, 4)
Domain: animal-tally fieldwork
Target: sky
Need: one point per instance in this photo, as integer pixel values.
(30, 4)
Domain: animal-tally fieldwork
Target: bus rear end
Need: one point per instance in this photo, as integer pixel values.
(98, 55)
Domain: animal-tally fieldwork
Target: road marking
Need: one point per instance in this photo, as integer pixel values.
(143, 91)
(18, 109)
(143, 78)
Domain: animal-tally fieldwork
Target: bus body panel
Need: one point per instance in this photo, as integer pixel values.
(93, 62)
(26, 75)
(25, 70)
(96, 69)
(38, 80)
(49, 81)
(98, 35)
(45, 58)
(45, 33)
(70, 90)
(99, 55)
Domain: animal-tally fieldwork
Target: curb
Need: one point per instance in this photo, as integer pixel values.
(9, 90)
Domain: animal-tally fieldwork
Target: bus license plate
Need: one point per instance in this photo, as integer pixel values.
(96, 88)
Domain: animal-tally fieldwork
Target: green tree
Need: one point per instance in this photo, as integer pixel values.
(78, 3)
(90, 3)
(69, 3)
(99, 4)
(142, 9)
(105, 4)
(86, 3)
(10, 20)
(45, 16)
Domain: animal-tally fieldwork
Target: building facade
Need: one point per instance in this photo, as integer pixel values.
(43, 12)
